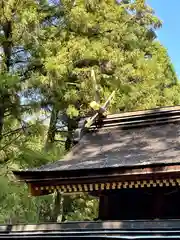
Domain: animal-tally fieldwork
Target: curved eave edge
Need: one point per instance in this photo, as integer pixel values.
(154, 168)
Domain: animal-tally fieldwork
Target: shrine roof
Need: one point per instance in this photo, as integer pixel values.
(140, 138)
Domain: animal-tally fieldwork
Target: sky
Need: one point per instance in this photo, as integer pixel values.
(169, 34)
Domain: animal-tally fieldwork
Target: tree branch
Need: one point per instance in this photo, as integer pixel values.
(18, 51)
(10, 142)
(9, 133)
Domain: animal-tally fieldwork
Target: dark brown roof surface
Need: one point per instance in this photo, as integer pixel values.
(115, 148)
(131, 139)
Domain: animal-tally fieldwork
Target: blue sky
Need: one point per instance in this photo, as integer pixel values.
(169, 35)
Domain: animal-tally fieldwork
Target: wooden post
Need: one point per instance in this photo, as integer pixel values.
(103, 207)
(158, 201)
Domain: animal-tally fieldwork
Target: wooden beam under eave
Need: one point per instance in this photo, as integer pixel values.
(34, 190)
(84, 176)
(38, 189)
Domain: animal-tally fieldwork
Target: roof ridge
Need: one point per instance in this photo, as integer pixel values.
(142, 118)
(133, 119)
(148, 111)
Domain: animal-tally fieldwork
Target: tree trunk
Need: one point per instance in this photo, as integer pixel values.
(2, 112)
(52, 129)
(7, 49)
(7, 44)
(57, 212)
(71, 125)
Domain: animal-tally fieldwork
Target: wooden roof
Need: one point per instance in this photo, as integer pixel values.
(129, 140)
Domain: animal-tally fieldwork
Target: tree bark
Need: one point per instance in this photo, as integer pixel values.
(7, 44)
(57, 212)
(2, 113)
(52, 129)
(7, 49)
(71, 125)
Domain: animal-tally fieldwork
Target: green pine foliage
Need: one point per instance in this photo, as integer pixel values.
(117, 41)
(47, 52)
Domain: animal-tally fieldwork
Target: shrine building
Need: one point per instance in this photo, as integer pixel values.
(131, 162)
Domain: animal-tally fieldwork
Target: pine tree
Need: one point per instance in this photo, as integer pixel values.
(48, 51)
(17, 23)
(22, 30)
(118, 41)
